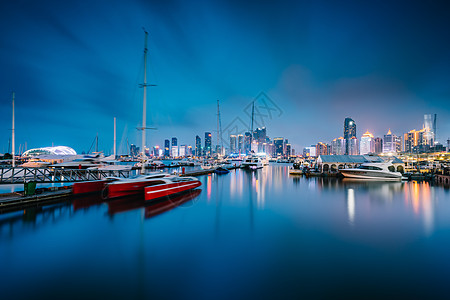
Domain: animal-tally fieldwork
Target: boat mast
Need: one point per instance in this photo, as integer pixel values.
(219, 130)
(13, 133)
(114, 138)
(251, 133)
(144, 109)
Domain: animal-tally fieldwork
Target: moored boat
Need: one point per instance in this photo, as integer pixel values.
(373, 171)
(252, 162)
(133, 186)
(168, 186)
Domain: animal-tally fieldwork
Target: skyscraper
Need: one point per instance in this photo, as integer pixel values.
(240, 144)
(208, 143)
(391, 143)
(367, 144)
(321, 149)
(278, 143)
(349, 132)
(428, 125)
(174, 141)
(166, 148)
(233, 144)
(247, 142)
(378, 145)
(353, 147)
(198, 146)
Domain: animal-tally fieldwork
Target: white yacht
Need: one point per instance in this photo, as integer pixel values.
(252, 162)
(373, 171)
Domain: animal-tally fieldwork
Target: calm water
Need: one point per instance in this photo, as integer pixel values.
(246, 235)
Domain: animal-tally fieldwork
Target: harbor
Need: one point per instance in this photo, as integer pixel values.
(235, 222)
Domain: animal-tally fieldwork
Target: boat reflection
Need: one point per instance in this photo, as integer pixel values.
(85, 201)
(151, 209)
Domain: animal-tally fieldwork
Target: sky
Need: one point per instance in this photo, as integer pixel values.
(75, 65)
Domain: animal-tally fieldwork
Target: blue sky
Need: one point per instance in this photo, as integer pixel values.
(75, 65)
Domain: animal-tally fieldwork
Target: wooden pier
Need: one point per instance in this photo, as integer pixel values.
(11, 175)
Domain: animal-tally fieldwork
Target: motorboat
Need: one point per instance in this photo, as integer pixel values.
(221, 170)
(167, 186)
(296, 169)
(35, 163)
(373, 171)
(252, 162)
(133, 186)
(84, 162)
(208, 166)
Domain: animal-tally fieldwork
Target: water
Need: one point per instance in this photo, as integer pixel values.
(246, 235)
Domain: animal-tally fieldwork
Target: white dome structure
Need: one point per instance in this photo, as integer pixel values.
(58, 150)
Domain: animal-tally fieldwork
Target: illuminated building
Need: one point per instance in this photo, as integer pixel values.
(288, 150)
(353, 146)
(166, 148)
(378, 145)
(391, 143)
(247, 142)
(321, 149)
(338, 146)
(309, 151)
(278, 143)
(367, 144)
(233, 144)
(182, 150)
(174, 151)
(198, 146)
(208, 143)
(240, 143)
(349, 132)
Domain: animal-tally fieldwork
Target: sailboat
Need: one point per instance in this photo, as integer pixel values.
(252, 161)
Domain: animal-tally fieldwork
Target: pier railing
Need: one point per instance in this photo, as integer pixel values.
(10, 175)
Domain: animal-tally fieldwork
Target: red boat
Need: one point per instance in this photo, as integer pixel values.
(133, 186)
(87, 187)
(169, 186)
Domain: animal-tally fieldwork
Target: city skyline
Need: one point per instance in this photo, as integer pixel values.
(74, 69)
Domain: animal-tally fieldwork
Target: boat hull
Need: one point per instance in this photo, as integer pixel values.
(370, 175)
(127, 188)
(87, 187)
(164, 190)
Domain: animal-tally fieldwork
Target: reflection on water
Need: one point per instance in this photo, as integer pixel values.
(266, 233)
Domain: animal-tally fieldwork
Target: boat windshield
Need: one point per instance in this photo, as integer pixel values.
(369, 168)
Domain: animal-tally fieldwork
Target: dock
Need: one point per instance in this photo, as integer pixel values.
(9, 175)
(16, 201)
(44, 196)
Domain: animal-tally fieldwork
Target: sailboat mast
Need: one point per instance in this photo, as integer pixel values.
(114, 148)
(144, 108)
(13, 133)
(251, 133)
(218, 132)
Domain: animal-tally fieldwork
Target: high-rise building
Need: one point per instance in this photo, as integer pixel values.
(353, 147)
(391, 143)
(208, 144)
(166, 148)
(134, 151)
(182, 150)
(278, 143)
(367, 144)
(198, 146)
(189, 151)
(428, 125)
(174, 141)
(378, 145)
(260, 135)
(233, 144)
(321, 149)
(175, 152)
(349, 132)
(288, 149)
(247, 142)
(309, 151)
(240, 144)
(338, 146)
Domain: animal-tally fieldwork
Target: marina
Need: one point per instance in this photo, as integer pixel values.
(257, 224)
